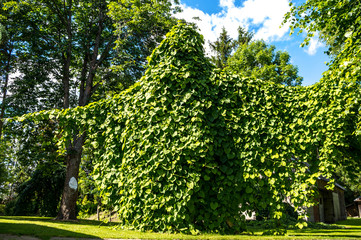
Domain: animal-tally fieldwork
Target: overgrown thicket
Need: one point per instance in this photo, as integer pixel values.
(189, 147)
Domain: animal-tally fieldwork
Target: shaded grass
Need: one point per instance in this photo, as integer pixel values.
(45, 228)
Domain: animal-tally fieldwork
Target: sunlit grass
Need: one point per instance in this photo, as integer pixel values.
(352, 230)
(45, 228)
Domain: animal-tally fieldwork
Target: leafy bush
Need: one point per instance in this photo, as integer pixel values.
(40, 195)
(2, 209)
(10, 208)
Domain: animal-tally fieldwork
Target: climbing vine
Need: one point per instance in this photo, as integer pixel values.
(189, 147)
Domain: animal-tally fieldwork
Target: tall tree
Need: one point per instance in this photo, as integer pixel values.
(5, 59)
(225, 45)
(222, 48)
(259, 60)
(244, 37)
(77, 39)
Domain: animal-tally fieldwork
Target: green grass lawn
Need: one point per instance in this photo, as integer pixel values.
(45, 228)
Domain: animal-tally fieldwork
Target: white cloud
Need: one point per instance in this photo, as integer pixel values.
(269, 14)
(226, 3)
(314, 45)
(262, 16)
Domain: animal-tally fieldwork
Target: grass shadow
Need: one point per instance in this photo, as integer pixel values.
(42, 232)
(351, 222)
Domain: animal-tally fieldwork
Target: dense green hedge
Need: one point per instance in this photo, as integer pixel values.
(188, 147)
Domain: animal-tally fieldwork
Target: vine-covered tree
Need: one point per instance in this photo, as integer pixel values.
(189, 146)
(259, 60)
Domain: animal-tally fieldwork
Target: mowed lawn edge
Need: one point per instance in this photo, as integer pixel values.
(46, 228)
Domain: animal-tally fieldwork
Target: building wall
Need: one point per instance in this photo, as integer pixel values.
(343, 215)
(331, 205)
(329, 214)
(352, 210)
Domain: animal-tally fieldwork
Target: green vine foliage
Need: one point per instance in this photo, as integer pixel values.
(189, 147)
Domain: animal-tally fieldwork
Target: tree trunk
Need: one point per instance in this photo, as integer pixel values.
(66, 69)
(2, 110)
(98, 208)
(67, 209)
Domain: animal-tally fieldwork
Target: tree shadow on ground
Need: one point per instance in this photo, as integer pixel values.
(351, 222)
(39, 231)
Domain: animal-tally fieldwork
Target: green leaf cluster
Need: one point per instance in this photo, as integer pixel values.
(189, 147)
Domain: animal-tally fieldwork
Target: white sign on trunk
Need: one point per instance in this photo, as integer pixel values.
(73, 184)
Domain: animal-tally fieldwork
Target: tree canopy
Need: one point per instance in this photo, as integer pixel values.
(223, 48)
(338, 24)
(253, 58)
(259, 60)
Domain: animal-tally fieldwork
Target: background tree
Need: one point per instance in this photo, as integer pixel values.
(225, 45)
(35, 167)
(259, 60)
(244, 37)
(5, 57)
(3, 173)
(222, 48)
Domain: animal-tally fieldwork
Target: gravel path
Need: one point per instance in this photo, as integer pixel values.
(14, 237)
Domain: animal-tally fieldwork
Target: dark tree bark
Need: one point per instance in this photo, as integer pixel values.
(67, 209)
(3, 102)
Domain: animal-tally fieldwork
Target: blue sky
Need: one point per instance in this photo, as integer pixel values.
(264, 18)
